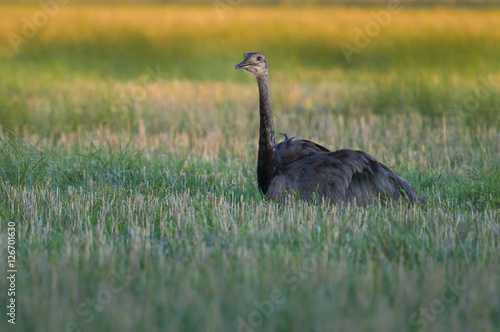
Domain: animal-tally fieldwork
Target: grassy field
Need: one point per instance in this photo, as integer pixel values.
(128, 154)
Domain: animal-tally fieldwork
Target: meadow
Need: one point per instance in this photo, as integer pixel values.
(128, 155)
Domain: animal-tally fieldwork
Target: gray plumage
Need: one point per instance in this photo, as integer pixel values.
(311, 170)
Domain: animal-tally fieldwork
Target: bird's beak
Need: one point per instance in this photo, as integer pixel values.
(242, 64)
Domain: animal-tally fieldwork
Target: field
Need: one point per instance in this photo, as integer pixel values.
(128, 164)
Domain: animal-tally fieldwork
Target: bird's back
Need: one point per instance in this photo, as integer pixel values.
(345, 175)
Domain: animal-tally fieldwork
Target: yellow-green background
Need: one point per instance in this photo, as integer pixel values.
(107, 169)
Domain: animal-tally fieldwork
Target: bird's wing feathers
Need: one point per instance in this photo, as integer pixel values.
(290, 151)
(365, 178)
(343, 175)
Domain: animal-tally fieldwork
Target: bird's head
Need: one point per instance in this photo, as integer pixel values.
(255, 63)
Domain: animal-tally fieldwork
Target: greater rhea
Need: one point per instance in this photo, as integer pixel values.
(310, 170)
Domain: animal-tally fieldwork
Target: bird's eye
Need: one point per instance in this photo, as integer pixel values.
(259, 58)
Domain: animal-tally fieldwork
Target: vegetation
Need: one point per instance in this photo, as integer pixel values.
(128, 153)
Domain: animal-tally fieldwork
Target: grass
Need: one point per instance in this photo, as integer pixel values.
(127, 162)
(433, 66)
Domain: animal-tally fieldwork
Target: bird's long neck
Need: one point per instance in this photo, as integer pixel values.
(266, 164)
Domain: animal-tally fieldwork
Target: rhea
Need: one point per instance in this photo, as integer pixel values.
(310, 170)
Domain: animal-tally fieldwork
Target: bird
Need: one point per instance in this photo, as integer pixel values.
(311, 171)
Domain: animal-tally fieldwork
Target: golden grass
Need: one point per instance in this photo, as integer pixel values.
(118, 174)
(243, 27)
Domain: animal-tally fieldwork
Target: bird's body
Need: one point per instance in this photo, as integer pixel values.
(310, 170)
(340, 176)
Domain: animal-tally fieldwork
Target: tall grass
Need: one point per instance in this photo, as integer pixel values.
(199, 246)
(429, 61)
(134, 194)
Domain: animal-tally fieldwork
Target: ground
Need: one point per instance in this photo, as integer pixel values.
(128, 167)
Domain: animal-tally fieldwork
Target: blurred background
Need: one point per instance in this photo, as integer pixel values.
(128, 141)
(66, 65)
(270, 2)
